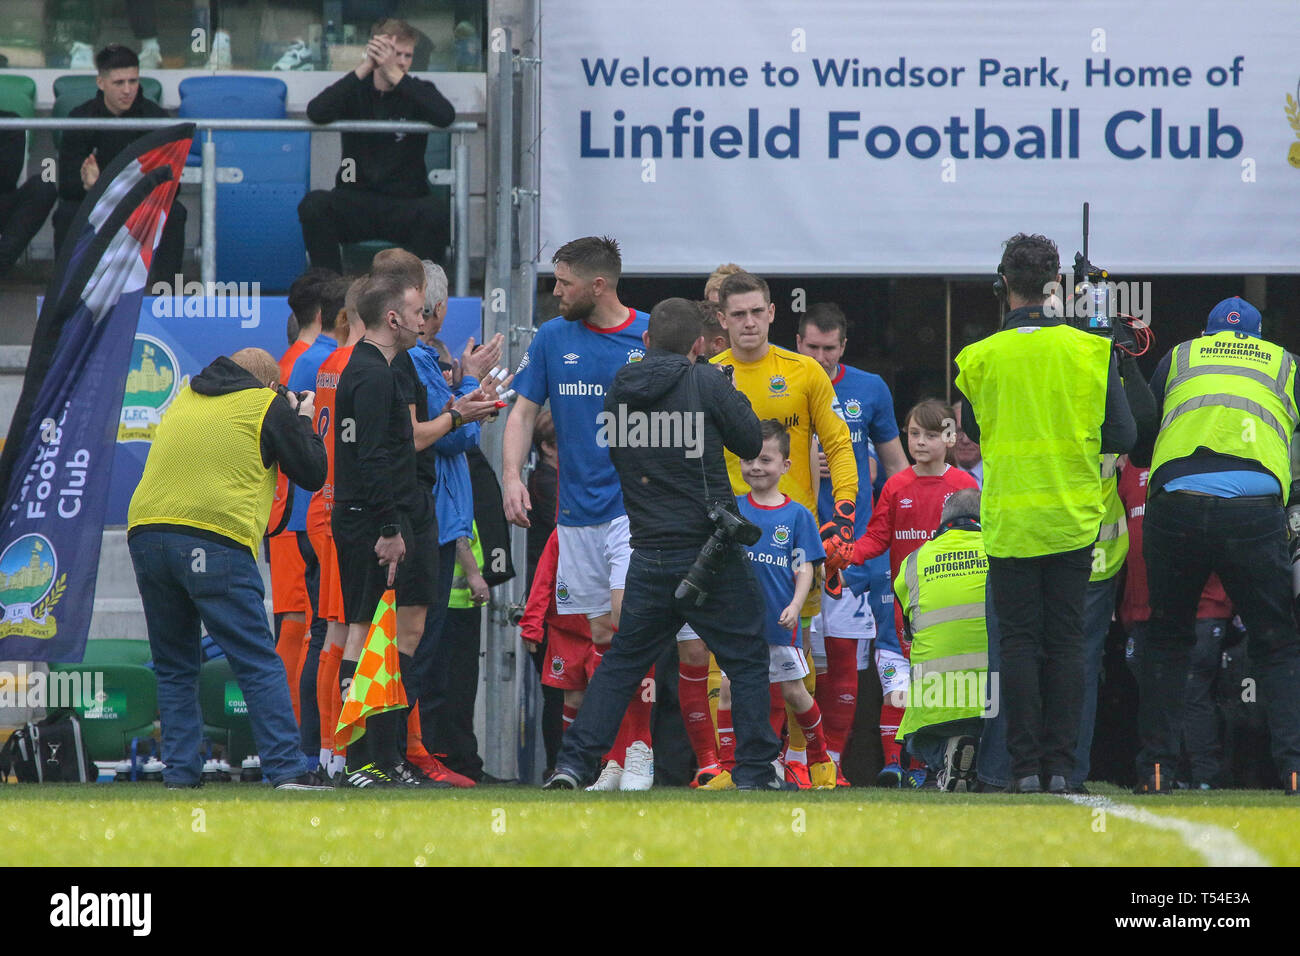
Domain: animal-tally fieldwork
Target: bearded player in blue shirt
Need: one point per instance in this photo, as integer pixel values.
(865, 608)
(570, 363)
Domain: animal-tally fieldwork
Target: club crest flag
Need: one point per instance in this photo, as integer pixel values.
(377, 685)
(54, 470)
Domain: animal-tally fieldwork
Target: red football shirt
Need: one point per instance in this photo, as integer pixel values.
(1135, 605)
(906, 516)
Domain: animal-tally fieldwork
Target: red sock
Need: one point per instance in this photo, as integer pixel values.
(289, 647)
(776, 712)
(726, 740)
(693, 692)
(890, 717)
(837, 692)
(810, 722)
(327, 692)
(570, 715)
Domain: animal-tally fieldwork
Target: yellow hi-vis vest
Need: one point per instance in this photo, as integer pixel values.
(205, 467)
(1233, 394)
(1039, 395)
(941, 590)
(1111, 549)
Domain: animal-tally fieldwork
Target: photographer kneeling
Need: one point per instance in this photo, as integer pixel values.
(665, 422)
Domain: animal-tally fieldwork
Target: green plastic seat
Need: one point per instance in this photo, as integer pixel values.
(358, 255)
(128, 708)
(225, 714)
(73, 89)
(18, 94)
(115, 650)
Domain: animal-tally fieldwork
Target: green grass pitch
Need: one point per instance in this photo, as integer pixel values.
(250, 825)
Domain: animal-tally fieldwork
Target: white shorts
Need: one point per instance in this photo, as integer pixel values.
(894, 671)
(785, 663)
(817, 638)
(849, 616)
(686, 634)
(592, 562)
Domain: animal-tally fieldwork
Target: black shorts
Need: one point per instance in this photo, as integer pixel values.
(362, 579)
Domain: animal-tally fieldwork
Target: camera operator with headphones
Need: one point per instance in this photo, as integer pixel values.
(665, 422)
(1049, 401)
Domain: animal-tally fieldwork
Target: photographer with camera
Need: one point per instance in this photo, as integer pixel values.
(1221, 468)
(1049, 402)
(665, 422)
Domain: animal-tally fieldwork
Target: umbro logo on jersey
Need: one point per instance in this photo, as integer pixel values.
(905, 503)
(571, 358)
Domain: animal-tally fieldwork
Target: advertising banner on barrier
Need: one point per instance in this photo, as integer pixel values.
(869, 137)
(178, 336)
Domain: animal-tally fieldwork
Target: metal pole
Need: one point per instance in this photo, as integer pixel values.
(501, 689)
(460, 214)
(208, 203)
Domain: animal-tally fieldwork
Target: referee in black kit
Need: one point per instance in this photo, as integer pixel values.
(1219, 470)
(384, 527)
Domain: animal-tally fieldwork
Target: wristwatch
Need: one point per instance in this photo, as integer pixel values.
(457, 419)
(389, 530)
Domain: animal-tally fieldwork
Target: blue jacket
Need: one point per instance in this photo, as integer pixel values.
(453, 495)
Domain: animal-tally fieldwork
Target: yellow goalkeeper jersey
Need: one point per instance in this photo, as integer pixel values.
(796, 391)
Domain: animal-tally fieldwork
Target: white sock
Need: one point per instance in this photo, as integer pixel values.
(796, 756)
(325, 754)
(336, 763)
(834, 755)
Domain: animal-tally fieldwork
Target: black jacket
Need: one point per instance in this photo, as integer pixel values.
(387, 163)
(376, 470)
(689, 411)
(104, 143)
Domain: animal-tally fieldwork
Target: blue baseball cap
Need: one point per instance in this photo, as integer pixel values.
(1233, 315)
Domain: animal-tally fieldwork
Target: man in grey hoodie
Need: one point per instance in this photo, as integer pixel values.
(665, 422)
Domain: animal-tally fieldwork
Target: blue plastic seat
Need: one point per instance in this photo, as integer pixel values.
(259, 238)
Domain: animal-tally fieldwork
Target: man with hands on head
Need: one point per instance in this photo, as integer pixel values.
(382, 187)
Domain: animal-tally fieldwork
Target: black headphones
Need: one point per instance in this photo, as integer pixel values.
(1000, 284)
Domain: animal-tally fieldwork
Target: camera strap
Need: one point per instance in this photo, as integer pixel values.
(696, 402)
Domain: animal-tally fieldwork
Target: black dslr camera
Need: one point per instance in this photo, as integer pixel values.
(728, 528)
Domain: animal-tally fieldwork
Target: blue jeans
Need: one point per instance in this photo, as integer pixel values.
(1098, 607)
(186, 580)
(929, 743)
(731, 626)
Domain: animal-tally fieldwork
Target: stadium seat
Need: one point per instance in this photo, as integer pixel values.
(259, 238)
(225, 715)
(72, 90)
(358, 255)
(129, 707)
(115, 650)
(18, 94)
(83, 85)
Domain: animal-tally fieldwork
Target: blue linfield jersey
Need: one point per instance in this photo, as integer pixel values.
(303, 379)
(867, 408)
(571, 364)
(789, 536)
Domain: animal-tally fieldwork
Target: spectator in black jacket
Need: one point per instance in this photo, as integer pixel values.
(666, 420)
(84, 154)
(22, 210)
(382, 187)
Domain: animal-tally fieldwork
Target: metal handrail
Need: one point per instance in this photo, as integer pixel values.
(208, 190)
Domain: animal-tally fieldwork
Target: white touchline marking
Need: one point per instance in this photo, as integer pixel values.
(1219, 846)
